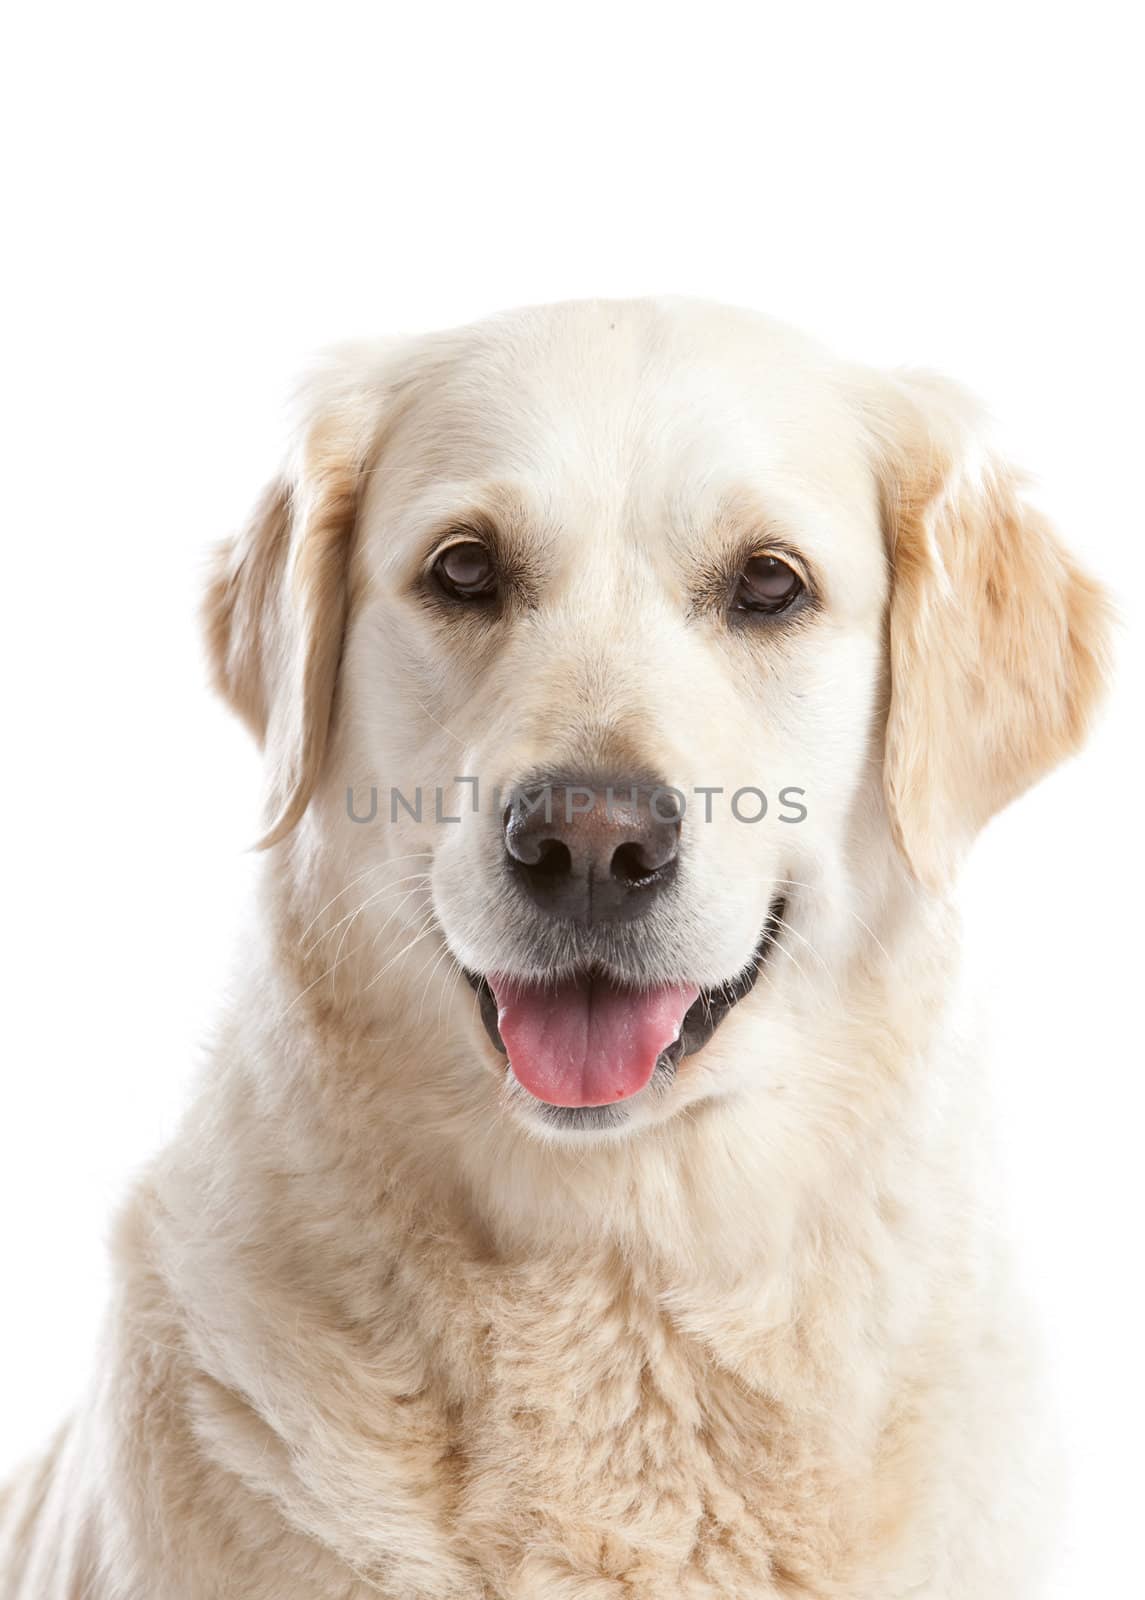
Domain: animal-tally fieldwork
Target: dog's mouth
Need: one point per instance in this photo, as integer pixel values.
(590, 1041)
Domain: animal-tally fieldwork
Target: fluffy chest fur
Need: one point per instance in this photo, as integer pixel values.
(572, 1437)
(610, 1451)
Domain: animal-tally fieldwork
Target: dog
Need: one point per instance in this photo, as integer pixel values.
(585, 1195)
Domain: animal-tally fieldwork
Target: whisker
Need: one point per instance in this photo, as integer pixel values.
(443, 955)
(782, 922)
(378, 894)
(441, 995)
(783, 950)
(427, 927)
(377, 866)
(794, 883)
(441, 725)
(346, 934)
(302, 993)
(374, 942)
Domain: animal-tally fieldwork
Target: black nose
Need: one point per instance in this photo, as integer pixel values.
(592, 851)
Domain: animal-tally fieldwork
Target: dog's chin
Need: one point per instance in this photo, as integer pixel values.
(621, 1115)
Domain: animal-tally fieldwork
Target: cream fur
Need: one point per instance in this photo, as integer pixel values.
(375, 1331)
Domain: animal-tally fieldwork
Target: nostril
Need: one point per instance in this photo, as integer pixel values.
(631, 866)
(553, 860)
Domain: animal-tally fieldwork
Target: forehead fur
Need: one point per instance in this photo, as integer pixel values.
(646, 415)
(596, 384)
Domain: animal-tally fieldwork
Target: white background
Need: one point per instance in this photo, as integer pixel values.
(197, 198)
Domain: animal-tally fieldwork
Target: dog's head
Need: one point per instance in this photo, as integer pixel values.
(614, 664)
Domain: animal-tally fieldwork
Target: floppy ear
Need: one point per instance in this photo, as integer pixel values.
(997, 640)
(275, 609)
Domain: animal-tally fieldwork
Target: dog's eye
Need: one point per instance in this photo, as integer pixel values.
(466, 571)
(767, 584)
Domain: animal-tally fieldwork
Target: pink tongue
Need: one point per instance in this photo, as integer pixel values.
(586, 1043)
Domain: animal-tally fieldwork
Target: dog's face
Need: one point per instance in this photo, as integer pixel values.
(703, 639)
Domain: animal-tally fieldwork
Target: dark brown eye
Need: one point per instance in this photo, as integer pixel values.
(466, 571)
(767, 584)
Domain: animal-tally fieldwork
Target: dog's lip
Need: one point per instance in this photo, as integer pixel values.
(703, 1016)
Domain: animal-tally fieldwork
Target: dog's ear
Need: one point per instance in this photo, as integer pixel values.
(997, 640)
(275, 610)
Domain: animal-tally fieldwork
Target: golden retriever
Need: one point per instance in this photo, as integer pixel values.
(584, 1197)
